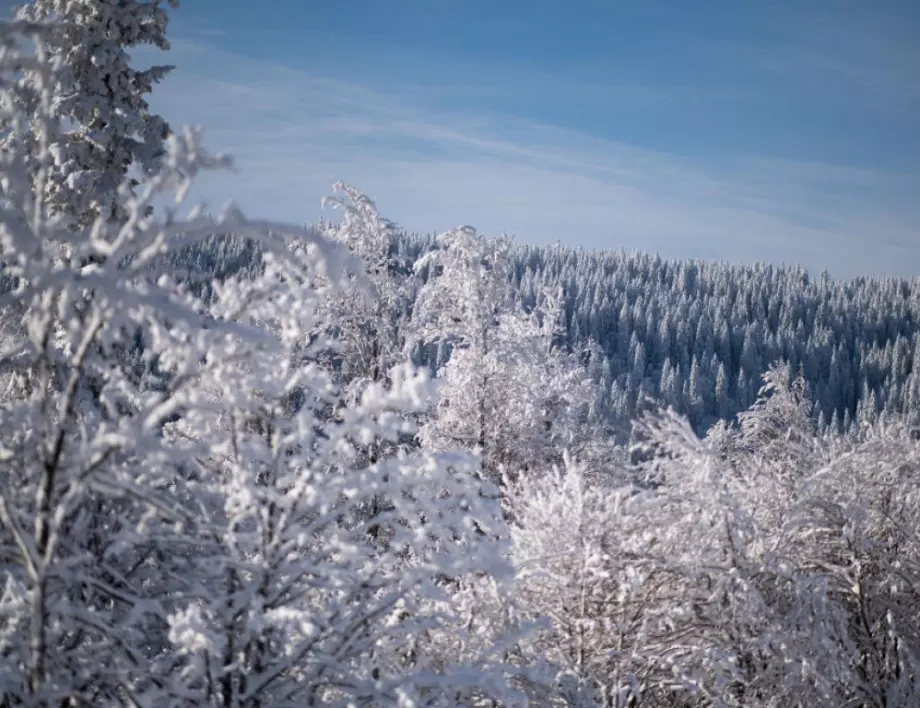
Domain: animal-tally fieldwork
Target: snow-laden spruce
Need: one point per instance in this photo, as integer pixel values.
(182, 518)
(107, 137)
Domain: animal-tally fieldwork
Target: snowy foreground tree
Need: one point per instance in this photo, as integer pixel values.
(107, 130)
(182, 522)
(763, 566)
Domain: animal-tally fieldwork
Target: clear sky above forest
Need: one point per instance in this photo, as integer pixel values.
(779, 131)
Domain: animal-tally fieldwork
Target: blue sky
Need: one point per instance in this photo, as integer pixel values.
(741, 131)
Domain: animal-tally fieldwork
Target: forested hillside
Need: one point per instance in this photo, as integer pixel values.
(695, 335)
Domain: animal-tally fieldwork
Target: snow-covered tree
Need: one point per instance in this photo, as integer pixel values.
(467, 291)
(107, 139)
(781, 574)
(636, 586)
(779, 425)
(532, 401)
(508, 390)
(297, 605)
(462, 303)
(814, 575)
(369, 332)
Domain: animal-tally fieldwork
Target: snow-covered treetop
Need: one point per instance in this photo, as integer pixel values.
(470, 291)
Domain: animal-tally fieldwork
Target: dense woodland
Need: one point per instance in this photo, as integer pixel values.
(254, 465)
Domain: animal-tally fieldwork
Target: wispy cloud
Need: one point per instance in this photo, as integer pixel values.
(860, 58)
(294, 132)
